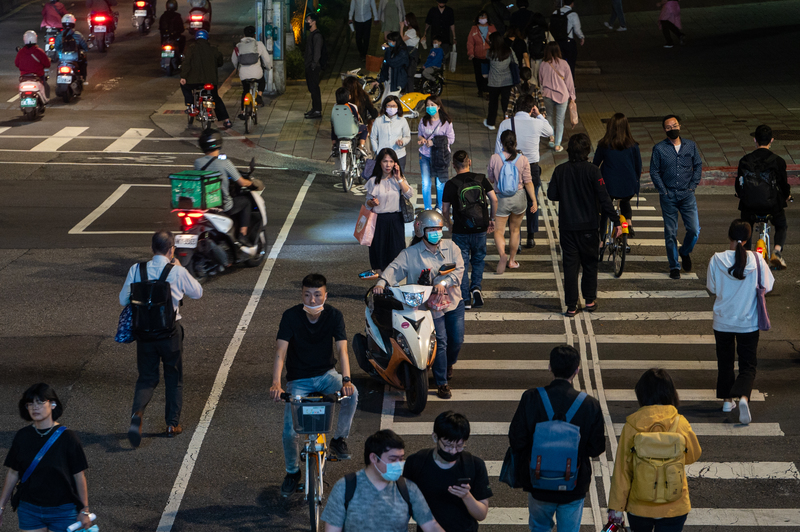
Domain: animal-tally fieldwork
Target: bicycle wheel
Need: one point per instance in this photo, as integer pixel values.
(313, 498)
(620, 249)
(248, 120)
(604, 240)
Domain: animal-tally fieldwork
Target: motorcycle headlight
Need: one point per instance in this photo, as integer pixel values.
(413, 299)
(432, 348)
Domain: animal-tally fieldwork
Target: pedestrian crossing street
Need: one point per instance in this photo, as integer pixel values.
(84, 139)
(626, 336)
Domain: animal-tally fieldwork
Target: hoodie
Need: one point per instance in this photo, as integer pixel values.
(735, 309)
(643, 420)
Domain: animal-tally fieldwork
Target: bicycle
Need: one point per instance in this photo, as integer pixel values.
(250, 106)
(371, 86)
(761, 236)
(616, 245)
(313, 416)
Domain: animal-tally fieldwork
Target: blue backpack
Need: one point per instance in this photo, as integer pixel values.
(554, 457)
(508, 180)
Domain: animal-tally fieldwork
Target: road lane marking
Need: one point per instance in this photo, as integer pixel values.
(602, 276)
(655, 338)
(129, 140)
(190, 459)
(471, 394)
(513, 316)
(4, 129)
(614, 294)
(634, 365)
(103, 207)
(13, 98)
(544, 258)
(59, 139)
(498, 428)
(515, 338)
(597, 316)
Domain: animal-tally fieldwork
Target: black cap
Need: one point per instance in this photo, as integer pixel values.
(313, 15)
(762, 134)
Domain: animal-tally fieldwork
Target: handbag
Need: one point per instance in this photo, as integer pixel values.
(508, 473)
(514, 68)
(407, 209)
(125, 326)
(761, 301)
(365, 226)
(573, 113)
(38, 458)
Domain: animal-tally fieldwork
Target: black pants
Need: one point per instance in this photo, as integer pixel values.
(222, 111)
(579, 249)
(261, 85)
(532, 220)
(413, 61)
(648, 524)
(624, 209)
(778, 221)
(312, 81)
(168, 352)
(480, 81)
(363, 32)
(569, 51)
(666, 28)
(746, 344)
(240, 212)
(495, 93)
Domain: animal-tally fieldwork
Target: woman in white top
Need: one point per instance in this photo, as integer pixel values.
(384, 189)
(733, 276)
(391, 130)
(409, 30)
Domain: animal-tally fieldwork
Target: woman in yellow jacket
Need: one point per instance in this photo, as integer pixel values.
(658, 401)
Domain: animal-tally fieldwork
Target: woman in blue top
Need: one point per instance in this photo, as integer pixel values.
(395, 62)
(620, 162)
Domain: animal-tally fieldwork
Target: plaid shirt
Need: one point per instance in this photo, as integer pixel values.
(679, 171)
(517, 92)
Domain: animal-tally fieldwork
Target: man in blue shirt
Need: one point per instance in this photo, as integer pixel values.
(675, 169)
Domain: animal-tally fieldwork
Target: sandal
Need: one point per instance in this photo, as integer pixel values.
(590, 308)
(559, 148)
(570, 313)
(512, 265)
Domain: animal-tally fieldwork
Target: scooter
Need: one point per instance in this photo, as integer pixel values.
(199, 19)
(101, 29)
(399, 342)
(207, 244)
(69, 82)
(50, 35)
(31, 95)
(144, 15)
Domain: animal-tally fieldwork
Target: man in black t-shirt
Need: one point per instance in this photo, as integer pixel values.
(305, 343)
(468, 195)
(442, 22)
(454, 482)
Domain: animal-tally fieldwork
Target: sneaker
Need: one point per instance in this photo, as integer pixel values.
(260, 100)
(477, 298)
(339, 447)
(290, 484)
(667, 46)
(686, 262)
(248, 250)
(444, 392)
(675, 274)
(607, 25)
(241, 116)
(227, 124)
(135, 430)
(728, 406)
(622, 28)
(777, 261)
(486, 124)
(467, 303)
(744, 412)
(531, 243)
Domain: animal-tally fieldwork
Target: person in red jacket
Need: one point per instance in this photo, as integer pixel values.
(52, 13)
(32, 60)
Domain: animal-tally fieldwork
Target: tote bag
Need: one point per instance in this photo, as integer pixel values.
(761, 301)
(365, 226)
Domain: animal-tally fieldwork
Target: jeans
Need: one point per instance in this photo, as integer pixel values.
(473, 251)
(326, 383)
(556, 111)
(541, 513)
(425, 171)
(579, 249)
(648, 524)
(728, 384)
(32, 517)
(671, 205)
(312, 82)
(666, 28)
(495, 93)
(449, 338)
(363, 32)
(532, 220)
(148, 356)
(617, 14)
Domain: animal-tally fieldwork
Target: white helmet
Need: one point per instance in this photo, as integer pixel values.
(30, 37)
(69, 18)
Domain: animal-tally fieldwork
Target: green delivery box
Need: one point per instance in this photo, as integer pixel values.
(195, 189)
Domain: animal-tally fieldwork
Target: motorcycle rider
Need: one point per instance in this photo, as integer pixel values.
(105, 6)
(170, 25)
(52, 13)
(236, 207)
(199, 67)
(32, 60)
(250, 57)
(71, 34)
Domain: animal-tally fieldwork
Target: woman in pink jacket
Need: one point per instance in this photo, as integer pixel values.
(555, 79)
(477, 46)
(669, 20)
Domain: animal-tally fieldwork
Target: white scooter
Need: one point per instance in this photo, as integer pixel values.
(399, 344)
(32, 96)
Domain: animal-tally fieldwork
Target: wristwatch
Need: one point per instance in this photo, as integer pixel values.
(345, 380)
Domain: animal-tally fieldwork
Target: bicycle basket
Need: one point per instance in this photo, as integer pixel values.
(312, 418)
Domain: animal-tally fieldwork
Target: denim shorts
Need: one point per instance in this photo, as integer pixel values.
(56, 518)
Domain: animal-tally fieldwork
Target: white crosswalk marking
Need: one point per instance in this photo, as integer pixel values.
(59, 139)
(714, 470)
(611, 395)
(128, 140)
(619, 294)
(602, 276)
(539, 365)
(4, 129)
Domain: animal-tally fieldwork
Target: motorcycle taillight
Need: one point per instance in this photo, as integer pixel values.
(141, 4)
(64, 70)
(99, 18)
(196, 17)
(208, 87)
(52, 40)
(167, 47)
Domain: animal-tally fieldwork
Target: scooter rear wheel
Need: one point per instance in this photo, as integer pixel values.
(416, 388)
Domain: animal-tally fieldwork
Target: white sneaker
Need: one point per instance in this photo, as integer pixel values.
(744, 412)
(667, 46)
(491, 128)
(607, 25)
(249, 250)
(728, 406)
(622, 28)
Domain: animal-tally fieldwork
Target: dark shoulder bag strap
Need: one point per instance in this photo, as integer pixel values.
(46, 447)
(350, 482)
(165, 272)
(143, 272)
(208, 163)
(402, 487)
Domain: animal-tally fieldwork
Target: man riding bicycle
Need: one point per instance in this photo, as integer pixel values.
(251, 58)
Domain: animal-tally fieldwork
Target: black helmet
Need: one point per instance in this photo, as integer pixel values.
(172, 5)
(210, 140)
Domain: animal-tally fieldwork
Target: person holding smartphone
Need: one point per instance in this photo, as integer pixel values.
(454, 482)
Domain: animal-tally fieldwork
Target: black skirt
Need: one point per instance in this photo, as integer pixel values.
(389, 240)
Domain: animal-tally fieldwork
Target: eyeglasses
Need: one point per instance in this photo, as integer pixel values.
(454, 447)
(670, 128)
(36, 404)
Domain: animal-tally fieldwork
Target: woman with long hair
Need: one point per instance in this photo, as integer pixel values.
(500, 79)
(620, 161)
(435, 122)
(359, 98)
(409, 31)
(391, 130)
(384, 189)
(733, 276)
(555, 79)
(510, 208)
(477, 46)
(395, 62)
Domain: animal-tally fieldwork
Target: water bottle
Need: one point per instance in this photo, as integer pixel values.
(77, 525)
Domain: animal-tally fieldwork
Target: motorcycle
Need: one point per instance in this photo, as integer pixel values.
(199, 19)
(370, 85)
(101, 29)
(207, 244)
(69, 82)
(50, 35)
(203, 107)
(426, 86)
(144, 15)
(31, 95)
(399, 341)
(171, 56)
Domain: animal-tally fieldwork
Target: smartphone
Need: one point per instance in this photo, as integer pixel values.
(466, 480)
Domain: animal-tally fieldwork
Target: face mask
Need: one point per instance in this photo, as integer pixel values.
(394, 470)
(431, 110)
(483, 20)
(307, 26)
(314, 311)
(391, 111)
(391, 45)
(673, 133)
(448, 457)
(434, 236)
(435, 45)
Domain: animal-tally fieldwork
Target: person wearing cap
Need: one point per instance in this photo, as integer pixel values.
(313, 56)
(766, 161)
(251, 58)
(199, 68)
(429, 252)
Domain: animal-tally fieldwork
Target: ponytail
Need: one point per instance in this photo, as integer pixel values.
(740, 232)
(509, 141)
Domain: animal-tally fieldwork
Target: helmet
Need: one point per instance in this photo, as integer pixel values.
(29, 37)
(210, 140)
(427, 220)
(201, 34)
(68, 21)
(172, 5)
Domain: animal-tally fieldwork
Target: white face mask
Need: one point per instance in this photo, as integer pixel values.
(391, 111)
(315, 310)
(483, 20)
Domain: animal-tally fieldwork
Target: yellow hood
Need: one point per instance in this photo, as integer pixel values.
(647, 416)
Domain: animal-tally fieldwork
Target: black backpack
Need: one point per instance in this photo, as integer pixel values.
(351, 481)
(473, 205)
(559, 25)
(537, 40)
(759, 185)
(68, 43)
(153, 316)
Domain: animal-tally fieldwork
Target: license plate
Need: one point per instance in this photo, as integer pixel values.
(140, 13)
(344, 145)
(98, 29)
(186, 241)
(64, 79)
(168, 53)
(28, 102)
(313, 410)
(196, 24)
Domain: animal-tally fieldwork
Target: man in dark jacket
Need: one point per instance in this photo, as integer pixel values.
(313, 57)
(199, 68)
(579, 187)
(543, 504)
(764, 160)
(170, 25)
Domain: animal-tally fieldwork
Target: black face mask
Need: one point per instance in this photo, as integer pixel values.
(447, 457)
(307, 26)
(673, 134)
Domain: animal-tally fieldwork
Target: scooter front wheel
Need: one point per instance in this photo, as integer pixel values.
(416, 388)
(261, 250)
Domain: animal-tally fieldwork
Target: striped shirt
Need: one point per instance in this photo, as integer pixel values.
(675, 171)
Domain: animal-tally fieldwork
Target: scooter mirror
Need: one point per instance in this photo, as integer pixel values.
(447, 268)
(252, 164)
(369, 274)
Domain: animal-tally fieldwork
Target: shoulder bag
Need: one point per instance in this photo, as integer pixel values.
(407, 209)
(761, 301)
(28, 472)
(125, 326)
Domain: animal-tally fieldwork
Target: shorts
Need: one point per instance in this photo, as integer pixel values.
(515, 204)
(32, 517)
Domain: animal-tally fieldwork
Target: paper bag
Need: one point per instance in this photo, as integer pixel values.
(365, 226)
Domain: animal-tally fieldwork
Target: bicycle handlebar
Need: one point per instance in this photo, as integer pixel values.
(329, 398)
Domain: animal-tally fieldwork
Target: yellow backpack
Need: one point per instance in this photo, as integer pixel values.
(659, 459)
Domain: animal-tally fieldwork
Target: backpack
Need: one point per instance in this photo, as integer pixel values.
(247, 56)
(351, 481)
(68, 43)
(508, 181)
(537, 40)
(151, 305)
(659, 459)
(759, 185)
(473, 206)
(554, 456)
(559, 25)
